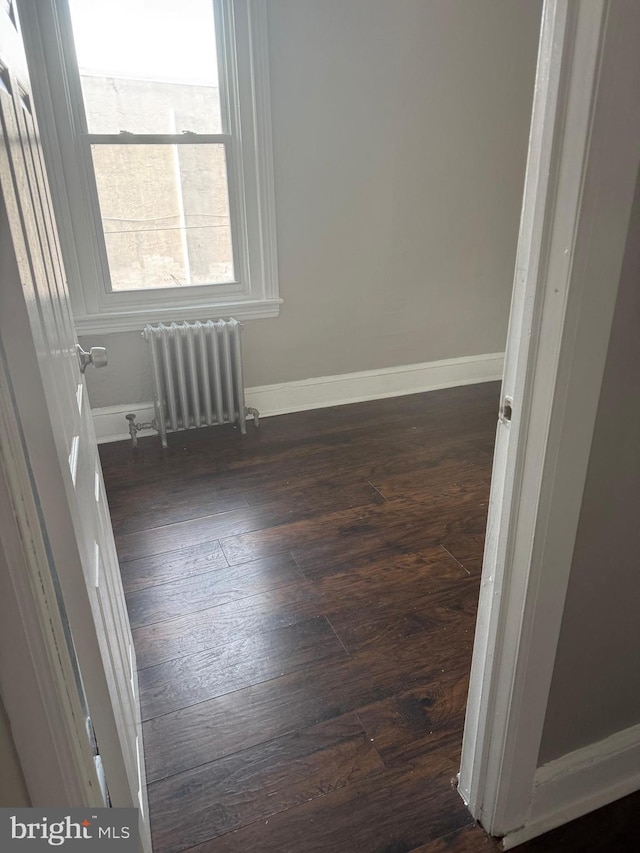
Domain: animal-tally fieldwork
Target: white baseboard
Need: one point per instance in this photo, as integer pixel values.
(581, 782)
(322, 391)
(110, 423)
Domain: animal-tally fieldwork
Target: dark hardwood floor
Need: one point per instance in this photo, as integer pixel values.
(303, 603)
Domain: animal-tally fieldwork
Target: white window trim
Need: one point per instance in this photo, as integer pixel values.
(242, 42)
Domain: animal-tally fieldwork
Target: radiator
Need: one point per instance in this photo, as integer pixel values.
(197, 377)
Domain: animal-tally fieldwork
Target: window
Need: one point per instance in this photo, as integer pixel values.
(160, 123)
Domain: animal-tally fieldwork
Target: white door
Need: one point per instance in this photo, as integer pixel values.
(87, 566)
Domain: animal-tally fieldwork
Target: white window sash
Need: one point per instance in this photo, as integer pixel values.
(140, 297)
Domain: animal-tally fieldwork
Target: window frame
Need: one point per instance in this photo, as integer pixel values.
(241, 42)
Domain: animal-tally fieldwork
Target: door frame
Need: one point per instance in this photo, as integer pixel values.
(581, 173)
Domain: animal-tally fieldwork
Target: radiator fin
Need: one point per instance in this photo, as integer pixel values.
(197, 375)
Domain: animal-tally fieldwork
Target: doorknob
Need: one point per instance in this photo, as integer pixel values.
(97, 356)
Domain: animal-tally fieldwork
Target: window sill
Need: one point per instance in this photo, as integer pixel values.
(135, 321)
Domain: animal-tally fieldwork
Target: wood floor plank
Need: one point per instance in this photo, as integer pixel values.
(399, 595)
(221, 469)
(256, 783)
(434, 614)
(405, 524)
(345, 473)
(327, 558)
(331, 556)
(227, 470)
(175, 565)
(418, 453)
(468, 839)
(420, 442)
(392, 809)
(188, 595)
(413, 723)
(326, 495)
(133, 510)
(237, 664)
(424, 481)
(468, 551)
(197, 530)
(215, 626)
(221, 726)
(389, 578)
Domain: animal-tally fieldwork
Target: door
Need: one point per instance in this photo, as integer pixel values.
(68, 483)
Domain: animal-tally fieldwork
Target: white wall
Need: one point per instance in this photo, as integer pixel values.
(595, 690)
(400, 136)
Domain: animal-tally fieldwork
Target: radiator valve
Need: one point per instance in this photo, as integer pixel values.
(135, 428)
